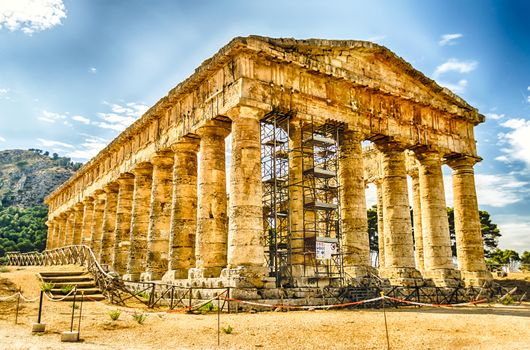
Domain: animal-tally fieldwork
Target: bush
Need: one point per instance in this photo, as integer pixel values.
(139, 317)
(114, 314)
(67, 289)
(46, 286)
(228, 329)
(4, 269)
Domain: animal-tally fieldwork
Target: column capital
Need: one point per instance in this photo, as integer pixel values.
(143, 169)
(245, 112)
(79, 206)
(387, 146)
(215, 127)
(423, 155)
(187, 143)
(111, 187)
(162, 158)
(88, 200)
(125, 179)
(461, 162)
(349, 134)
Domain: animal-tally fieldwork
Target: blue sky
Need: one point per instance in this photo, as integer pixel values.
(73, 74)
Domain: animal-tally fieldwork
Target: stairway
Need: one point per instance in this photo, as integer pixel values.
(61, 281)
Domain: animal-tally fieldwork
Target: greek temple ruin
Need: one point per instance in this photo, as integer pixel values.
(311, 124)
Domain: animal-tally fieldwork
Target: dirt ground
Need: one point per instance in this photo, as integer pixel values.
(484, 327)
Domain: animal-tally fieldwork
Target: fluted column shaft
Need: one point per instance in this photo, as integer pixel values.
(159, 216)
(380, 223)
(245, 225)
(50, 237)
(97, 222)
(469, 243)
(59, 242)
(88, 213)
(354, 221)
(109, 222)
(123, 223)
(212, 235)
(296, 200)
(69, 228)
(77, 225)
(184, 209)
(416, 215)
(139, 221)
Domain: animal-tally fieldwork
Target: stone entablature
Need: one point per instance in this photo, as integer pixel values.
(363, 85)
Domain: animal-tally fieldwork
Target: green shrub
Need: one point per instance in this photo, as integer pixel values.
(67, 289)
(507, 300)
(46, 286)
(228, 329)
(114, 314)
(4, 269)
(139, 317)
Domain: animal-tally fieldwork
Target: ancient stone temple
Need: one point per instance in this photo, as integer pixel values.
(156, 204)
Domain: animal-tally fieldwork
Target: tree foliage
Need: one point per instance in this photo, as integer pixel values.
(21, 229)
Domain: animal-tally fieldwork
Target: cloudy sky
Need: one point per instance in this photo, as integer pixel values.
(73, 74)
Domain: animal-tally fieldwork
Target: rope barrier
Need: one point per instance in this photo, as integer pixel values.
(55, 300)
(481, 301)
(21, 295)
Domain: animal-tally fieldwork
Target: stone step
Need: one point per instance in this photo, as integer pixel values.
(62, 273)
(89, 290)
(91, 297)
(77, 278)
(84, 284)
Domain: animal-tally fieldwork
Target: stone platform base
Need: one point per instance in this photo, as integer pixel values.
(444, 277)
(476, 278)
(403, 276)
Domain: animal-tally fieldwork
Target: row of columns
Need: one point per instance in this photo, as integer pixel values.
(169, 215)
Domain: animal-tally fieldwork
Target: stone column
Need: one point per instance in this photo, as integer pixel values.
(380, 223)
(296, 200)
(69, 228)
(97, 222)
(123, 223)
(184, 209)
(469, 243)
(399, 251)
(354, 221)
(245, 224)
(77, 225)
(438, 261)
(212, 222)
(109, 222)
(159, 217)
(139, 221)
(61, 222)
(88, 213)
(50, 237)
(416, 216)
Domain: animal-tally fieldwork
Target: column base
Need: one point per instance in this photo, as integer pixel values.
(131, 277)
(208, 272)
(402, 276)
(360, 271)
(150, 276)
(172, 275)
(476, 278)
(444, 277)
(244, 276)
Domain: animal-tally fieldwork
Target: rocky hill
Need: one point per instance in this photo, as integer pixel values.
(27, 176)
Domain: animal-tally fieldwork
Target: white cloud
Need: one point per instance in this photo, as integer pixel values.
(121, 116)
(51, 117)
(81, 119)
(2, 139)
(458, 87)
(53, 143)
(31, 16)
(515, 230)
(88, 149)
(495, 116)
(455, 65)
(517, 140)
(449, 39)
(93, 70)
(4, 94)
(376, 38)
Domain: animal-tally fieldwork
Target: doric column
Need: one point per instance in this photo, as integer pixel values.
(469, 243)
(123, 223)
(139, 221)
(212, 223)
(296, 200)
(77, 225)
(399, 250)
(109, 222)
(380, 223)
(88, 213)
(159, 216)
(416, 218)
(438, 261)
(184, 209)
(69, 227)
(245, 224)
(354, 221)
(50, 237)
(61, 223)
(97, 222)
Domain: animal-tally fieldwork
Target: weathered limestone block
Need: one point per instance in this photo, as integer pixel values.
(123, 223)
(416, 211)
(100, 198)
(69, 227)
(399, 250)
(354, 222)
(159, 217)
(61, 222)
(109, 223)
(77, 225)
(296, 193)
(88, 213)
(435, 227)
(380, 223)
(245, 225)
(139, 221)
(212, 235)
(184, 209)
(469, 244)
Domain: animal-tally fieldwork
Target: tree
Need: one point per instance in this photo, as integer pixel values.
(525, 261)
(499, 257)
(372, 228)
(22, 230)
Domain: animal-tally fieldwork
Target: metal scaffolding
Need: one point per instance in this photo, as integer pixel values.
(316, 240)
